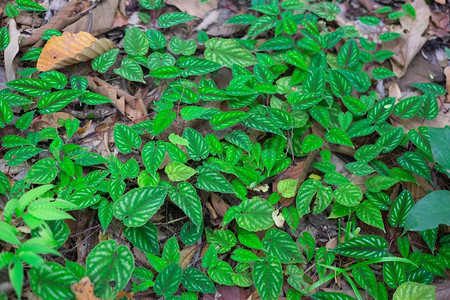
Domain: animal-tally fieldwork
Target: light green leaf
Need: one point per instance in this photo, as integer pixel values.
(177, 171)
(415, 291)
(228, 52)
(287, 187)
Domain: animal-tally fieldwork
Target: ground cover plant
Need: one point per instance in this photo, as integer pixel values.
(264, 147)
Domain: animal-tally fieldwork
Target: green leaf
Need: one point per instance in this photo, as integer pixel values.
(105, 60)
(370, 214)
(268, 278)
(383, 55)
(262, 24)
(158, 60)
(131, 70)
(382, 73)
(8, 234)
(394, 274)
(364, 246)
(166, 72)
(440, 143)
(15, 272)
(6, 114)
(379, 183)
(94, 99)
(126, 138)
(56, 79)
(227, 119)
(390, 140)
(145, 237)
(138, 205)
(278, 43)
(172, 19)
(135, 42)
(221, 240)
(56, 101)
(389, 36)
(413, 162)
(409, 107)
(331, 296)
(105, 214)
(156, 39)
(14, 99)
(338, 136)
(195, 280)
(198, 148)
(430, 88)
(241, 19)
(52, 281)
(196, 66)
(177, 171)
(348, 55)
(261, 122)
(42, 172)
(29, 5)
(163, 120)
(409, 9)
(255, 214)
(16, 156)
(278, 243)
(4, 38)
(381, 110)
(30, 86)
(239, 139)
(227, 52)
(211, 180)
(287, 187)
(152, 155)
(221, 273)
(400, 209)
(369, 20)
(348, 194)
(340, 86)
(414, 291)
(367, 153)
(185, 197)
(151, 4)
(431, 211)
(109, 262)
(184, 47)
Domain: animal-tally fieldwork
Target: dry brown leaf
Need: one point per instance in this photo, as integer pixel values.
(128, 296)
(102, 19)
(293, 172)
(51, 120)
(65, 16)
(409, 44)
(12, 50)
(394, 91)
(194, 7)
(84, 289)
(127, 105)
(186, 255)
(220, 206)
(71, 48)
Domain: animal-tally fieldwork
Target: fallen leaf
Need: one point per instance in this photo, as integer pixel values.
(220, 206)
(293, 172)
(129, 106)
(12, 50)
(71, 48)
(128, 296)
(194, 7)
(278, 218)
(186, 255)
(65, 16)
(51, 120)
(84, 289)
(409, 44)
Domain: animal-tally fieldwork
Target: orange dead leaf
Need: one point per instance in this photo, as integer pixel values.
(84, 290)
(71, 48)
(128, 296)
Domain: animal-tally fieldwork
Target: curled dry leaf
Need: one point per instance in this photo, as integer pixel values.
(71, 48)
(130, 106)
(84, 289)
(12, 50)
